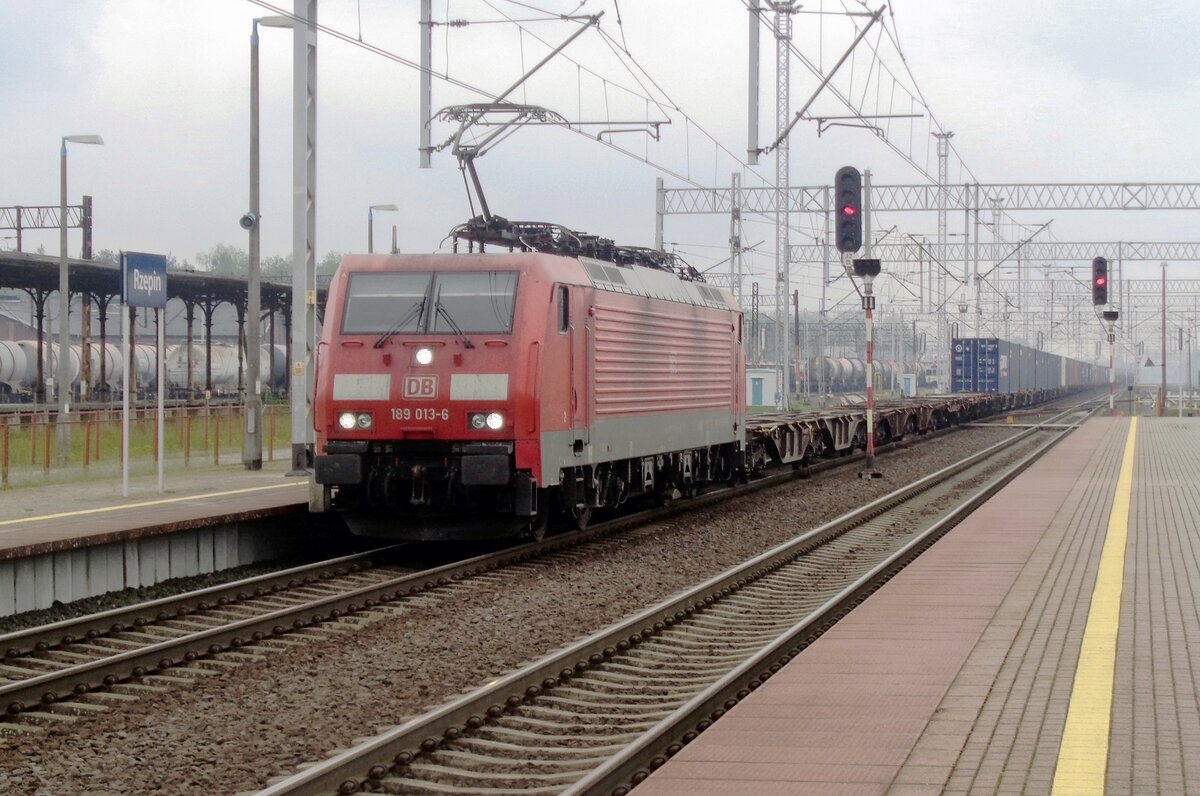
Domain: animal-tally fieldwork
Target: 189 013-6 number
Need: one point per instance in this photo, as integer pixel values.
(419, 413)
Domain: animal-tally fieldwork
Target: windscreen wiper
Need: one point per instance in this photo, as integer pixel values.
(442, 311)
(413, 314)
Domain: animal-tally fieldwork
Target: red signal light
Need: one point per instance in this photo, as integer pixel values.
(1101, 281)
(848, 210)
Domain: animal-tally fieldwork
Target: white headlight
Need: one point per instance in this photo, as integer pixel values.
(495, 421)
(424, 356)
(365, 420)
(478, 421)
(347, 420)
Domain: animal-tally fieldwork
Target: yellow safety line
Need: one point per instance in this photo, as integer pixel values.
(1083, 754)
(162, 502)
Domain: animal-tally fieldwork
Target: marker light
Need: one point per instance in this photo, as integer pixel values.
(478, 421)
(347, 420)
(365, 420)
(424, 356)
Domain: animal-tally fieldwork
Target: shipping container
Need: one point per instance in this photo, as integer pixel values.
(988, 364)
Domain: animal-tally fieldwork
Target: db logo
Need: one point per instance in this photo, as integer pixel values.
(420, 387)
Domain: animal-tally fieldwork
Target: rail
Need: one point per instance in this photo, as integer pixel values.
(547, 692)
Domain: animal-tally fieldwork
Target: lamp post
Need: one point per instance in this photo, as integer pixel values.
(62, 379)
(252, 442)
(371, 224)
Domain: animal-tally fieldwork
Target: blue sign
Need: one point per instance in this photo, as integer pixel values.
(144, 279)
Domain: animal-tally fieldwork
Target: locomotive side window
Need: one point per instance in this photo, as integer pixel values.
(376, 302)
(475, 301)
(564, 308)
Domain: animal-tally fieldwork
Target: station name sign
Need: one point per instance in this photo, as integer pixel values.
(144, 279)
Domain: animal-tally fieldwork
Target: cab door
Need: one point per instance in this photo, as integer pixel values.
(574, 321)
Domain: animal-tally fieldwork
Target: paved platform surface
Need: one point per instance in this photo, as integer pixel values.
(1048, 644)
(39, 519)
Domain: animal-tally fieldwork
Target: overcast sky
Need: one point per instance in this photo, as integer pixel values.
(1035, 91)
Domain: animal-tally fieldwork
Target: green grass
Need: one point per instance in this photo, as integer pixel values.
(195, 437)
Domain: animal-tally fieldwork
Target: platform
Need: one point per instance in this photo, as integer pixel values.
(39, 519)
(1050, 643)
(64, 542)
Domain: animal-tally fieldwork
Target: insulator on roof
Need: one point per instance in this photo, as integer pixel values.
(556, 239)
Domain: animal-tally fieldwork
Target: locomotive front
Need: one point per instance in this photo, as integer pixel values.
(425, 426)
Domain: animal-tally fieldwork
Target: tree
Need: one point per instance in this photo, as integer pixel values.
(276, 267)
(106, 256)
(225, 260)
(329, 263)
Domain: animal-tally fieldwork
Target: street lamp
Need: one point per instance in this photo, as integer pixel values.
(371, 224)
(252, 408)
(63, 432)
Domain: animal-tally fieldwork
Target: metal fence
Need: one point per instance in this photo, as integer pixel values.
(193, 436)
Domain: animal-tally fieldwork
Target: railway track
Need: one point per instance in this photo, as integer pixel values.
(598, 716)
(54, 673)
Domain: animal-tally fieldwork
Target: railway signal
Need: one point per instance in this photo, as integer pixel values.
(1099, 281)
(868, 269)
(847, 190)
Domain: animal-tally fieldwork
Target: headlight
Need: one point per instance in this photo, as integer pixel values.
(352, 420)
(478, 421)
(424, 356)
(495, 421)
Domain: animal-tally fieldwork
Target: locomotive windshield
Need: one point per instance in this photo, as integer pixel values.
(378, 302)
(476, 301)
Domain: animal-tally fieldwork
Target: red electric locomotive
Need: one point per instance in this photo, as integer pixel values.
(472, 395)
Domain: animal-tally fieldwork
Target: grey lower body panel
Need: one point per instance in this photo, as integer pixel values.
(615, 439)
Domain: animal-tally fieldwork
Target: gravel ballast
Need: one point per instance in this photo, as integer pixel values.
(231, 733)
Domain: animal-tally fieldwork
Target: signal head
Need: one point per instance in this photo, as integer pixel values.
(847, 186)
(1099, 281)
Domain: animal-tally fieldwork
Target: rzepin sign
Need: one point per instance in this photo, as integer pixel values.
(420, 387)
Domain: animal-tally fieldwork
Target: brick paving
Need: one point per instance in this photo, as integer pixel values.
(956, 676)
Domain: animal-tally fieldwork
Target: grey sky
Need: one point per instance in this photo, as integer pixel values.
(1035, 92)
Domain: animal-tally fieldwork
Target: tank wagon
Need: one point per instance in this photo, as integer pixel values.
(18, 367)
(471, 395)
(845, 374)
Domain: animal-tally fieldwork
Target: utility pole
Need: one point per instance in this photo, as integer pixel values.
(735, 240)
(783, 39)
(943, 151)
(304, 211)
(1162, 388)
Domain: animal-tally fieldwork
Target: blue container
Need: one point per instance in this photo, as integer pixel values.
(975, 364)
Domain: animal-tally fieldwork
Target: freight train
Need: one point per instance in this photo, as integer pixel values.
(989, 364)
(18, 368)
(471, 395)
(849, 374)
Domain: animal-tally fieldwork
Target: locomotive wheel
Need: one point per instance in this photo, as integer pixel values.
(580, 517)
(539, 522)
(537, 531)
